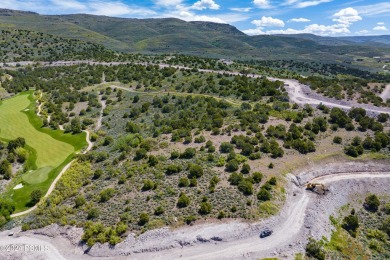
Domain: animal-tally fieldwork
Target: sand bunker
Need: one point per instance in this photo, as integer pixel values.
(19, 186)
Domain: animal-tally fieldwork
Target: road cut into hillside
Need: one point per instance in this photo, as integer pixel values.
(304, 215)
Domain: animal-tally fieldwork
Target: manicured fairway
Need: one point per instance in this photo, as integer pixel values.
(49, 150)
(15, 123)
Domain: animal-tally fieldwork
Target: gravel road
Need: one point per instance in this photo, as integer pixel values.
(298, 93)
(385, 95)
(304, 214)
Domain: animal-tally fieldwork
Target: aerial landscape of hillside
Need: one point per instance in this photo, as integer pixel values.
(194, 130)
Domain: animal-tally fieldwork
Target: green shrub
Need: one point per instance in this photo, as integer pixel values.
(172, 169)
(174, 155)
(188, 153)
(264, 195)
(232, 165)
(314, 249)
(257, 177)
(351, 224)
(106, 194)
(272, 181)
(184, 182)
(153, 161)
(386, 208)
(235, 178)
(140, 154)
(245, 168)
(226, 147)
(371, 203)
(196, 171)
(337, 140)
(93, 213)
(79, 201)
(386, 226)
(143, 218)
(35, 196)
(183, 200)
(6, 169)
(159, 211)
(245, 186)
(148, 185)
(205, 208)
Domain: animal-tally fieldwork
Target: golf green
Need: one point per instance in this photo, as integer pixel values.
(37, 176)
(49, 149)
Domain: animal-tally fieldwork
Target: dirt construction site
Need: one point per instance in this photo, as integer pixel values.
(305, 214)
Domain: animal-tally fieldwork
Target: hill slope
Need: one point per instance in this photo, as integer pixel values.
(176, 36)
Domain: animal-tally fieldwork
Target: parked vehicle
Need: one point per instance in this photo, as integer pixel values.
(265, 233)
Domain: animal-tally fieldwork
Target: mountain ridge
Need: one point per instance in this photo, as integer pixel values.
(172, 35)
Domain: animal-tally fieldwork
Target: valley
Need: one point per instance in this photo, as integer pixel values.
(165, 139)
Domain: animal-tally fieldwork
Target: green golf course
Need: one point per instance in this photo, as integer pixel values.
(49, 149)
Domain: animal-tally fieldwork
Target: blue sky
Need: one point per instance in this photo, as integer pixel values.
(321, 17)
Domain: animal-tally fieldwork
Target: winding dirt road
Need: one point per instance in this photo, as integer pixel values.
(100, 119)
(286, 230)
(298, 93)
(287, 226)
(385, 95)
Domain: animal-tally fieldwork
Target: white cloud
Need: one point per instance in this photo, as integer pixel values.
(205, 4)
(380, 28)
(290, 2)
(262, 4)
(97, 7)
(69, 4)
(28, 5)
(375, 9)
(305, 4)
(256, 31)
(187, 13)
(268, 22)
(190, 16)
(168, 3)
(363, 32)
(241, 9)
(299, 20)
(116, 9)
(347, 16)
(381, 23)
(344, 19)
(325, 30)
